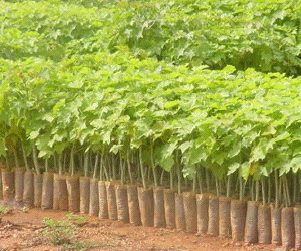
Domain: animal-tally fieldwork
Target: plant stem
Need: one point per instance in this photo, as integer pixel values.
(277, 189)
(129, 166)
(35, 160)
(257, 191)
(86, 164)
(96, 165)
(207, 180)
(263, 191)
(178, 172)
(153, 165)
(229, 181)
(16, 158)
(142, 168)
(25, 158)
(71, 168)
(46, 165)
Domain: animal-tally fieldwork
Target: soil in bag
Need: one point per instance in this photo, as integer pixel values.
(276, 226)
(122, 203)
(146, 205)
(189, 201)
(94, 198)
(238, 219)
(264, 225)
(169, 208)
(133, 204)
(47, 191)
(37, 189)
(202, 205)
(8, 185)
(179, 211)
(225, 217)
(111, 197)
(159, 211)
(19, 184)
(60, 195)
(103, 203)
(213, 213)
(28, 192)
(73, 193)
(251, 228)
(84, 194)
(297, 221)
(287, 227)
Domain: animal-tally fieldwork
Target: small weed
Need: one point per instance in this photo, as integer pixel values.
(61, 233)
(25, 209)
(5, 209)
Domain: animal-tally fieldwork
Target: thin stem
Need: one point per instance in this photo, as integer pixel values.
(25, 158)
(142, 168)
(263, 191)
(86, 164)
(16, 158)
(96, 165)
(199, 175)
(194, 181)
(277, 189)
(171, 178)
(35, 160)
(178, 172)
(162, 177)
(153, 166)
(217, 187)
(229, 181)
(71, 167)
(60, 164)
(269, 190)
(46, 165)
(257, 191)
(129, 166)
(207, 180)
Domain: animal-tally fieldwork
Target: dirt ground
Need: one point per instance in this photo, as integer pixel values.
(23, 230)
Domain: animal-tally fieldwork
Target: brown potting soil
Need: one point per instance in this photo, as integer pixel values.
(202, 204)
(297, 221)
(179, 211)
(72, 183)
(19, 181)
(189, 201)
(111, 197)
(60, 193)
(84, 194)
(146, 206)
(159, 211)
(122, 203)
(8, 185)
(287, 227)
(224, 217)
(133, 204)
(47, 191)
(37, 191)
(169, 208)
(264, 225)
(238, 217)
(213, 213)
(251, 227)
(276, 226)
(94, 198)
(102, 199)
(28, 190)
